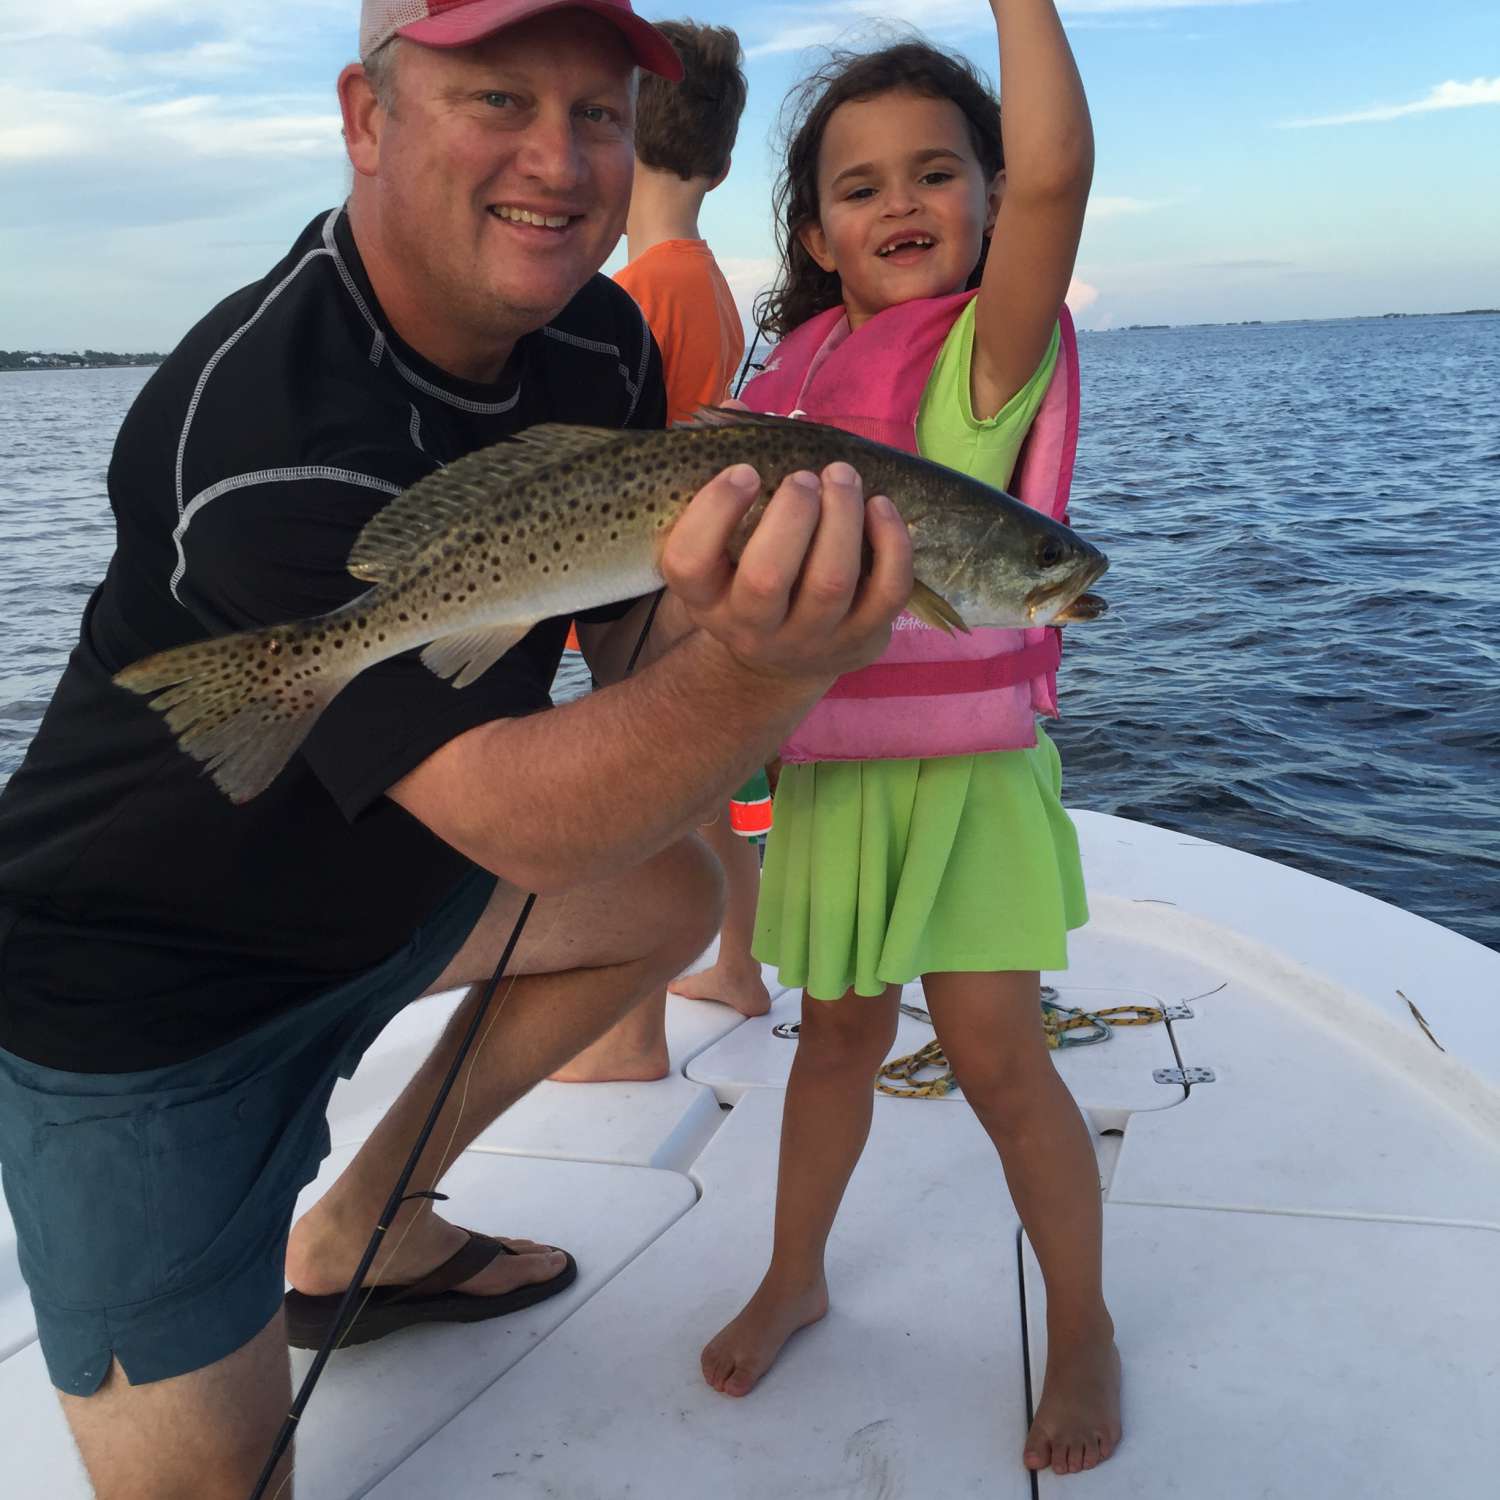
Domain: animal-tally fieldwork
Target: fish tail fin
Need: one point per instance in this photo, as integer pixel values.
(240, 704)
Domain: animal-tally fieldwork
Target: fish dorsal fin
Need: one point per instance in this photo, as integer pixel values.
(448, 497)
(732, 416)
(556, 442)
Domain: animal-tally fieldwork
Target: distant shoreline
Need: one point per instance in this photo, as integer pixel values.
(20, 361)
(1467, 312)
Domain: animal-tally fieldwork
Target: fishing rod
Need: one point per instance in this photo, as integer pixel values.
(749, 364)
(399, 1196)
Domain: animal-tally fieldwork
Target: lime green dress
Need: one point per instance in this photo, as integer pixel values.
(879, 871)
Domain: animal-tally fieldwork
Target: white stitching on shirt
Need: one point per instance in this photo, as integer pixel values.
(219, 354)
(416, 428)
(640, 377)
(265, 476)
(595, 347)
(479, 408)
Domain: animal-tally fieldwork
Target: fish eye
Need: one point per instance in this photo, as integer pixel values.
(1050, 552)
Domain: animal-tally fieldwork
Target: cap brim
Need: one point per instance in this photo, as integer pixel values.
(465, 24)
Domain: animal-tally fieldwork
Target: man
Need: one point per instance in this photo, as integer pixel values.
(181, 979)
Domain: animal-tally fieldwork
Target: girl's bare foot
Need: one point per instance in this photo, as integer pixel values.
(743, 988)
(1077, 1422)
(745, 1348)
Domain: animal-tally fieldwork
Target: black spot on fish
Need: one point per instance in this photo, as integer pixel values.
(531, 557)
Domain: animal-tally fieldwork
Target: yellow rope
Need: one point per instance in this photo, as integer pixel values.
(899, 1076)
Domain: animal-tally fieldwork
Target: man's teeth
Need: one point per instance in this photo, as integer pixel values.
(525, 216)
(921, 240)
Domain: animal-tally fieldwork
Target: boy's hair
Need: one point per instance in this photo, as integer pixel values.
(690, 127)
(803, 288)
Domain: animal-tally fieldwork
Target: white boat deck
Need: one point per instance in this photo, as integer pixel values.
(1297, 1252)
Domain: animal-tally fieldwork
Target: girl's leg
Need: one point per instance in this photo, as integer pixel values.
(829, 1100)
(990, 1028)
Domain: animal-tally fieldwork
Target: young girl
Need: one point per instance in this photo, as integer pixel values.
(957, 866)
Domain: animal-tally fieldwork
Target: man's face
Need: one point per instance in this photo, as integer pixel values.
(504, 172)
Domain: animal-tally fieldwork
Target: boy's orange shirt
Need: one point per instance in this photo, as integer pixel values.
(691, 311)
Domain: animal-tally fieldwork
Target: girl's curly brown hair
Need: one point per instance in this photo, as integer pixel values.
(803, 289)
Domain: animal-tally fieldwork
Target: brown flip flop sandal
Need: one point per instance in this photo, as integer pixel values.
(430, 1300)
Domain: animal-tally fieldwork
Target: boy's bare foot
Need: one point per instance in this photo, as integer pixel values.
(745, 1348)
(633, 1050)
(742, 988)
(1077, 1422)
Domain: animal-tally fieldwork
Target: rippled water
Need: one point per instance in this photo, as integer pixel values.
(1304, 522)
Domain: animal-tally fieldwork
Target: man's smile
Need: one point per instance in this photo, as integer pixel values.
(533, 218)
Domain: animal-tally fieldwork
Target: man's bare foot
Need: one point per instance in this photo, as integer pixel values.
(743, 988)
(321, 1256)
(633, 1050)
(745, 1348)
(1077, 1422)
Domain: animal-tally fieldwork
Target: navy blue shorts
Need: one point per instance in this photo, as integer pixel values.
(152, 1209)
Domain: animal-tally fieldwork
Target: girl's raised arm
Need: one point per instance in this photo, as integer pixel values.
(1049, 164)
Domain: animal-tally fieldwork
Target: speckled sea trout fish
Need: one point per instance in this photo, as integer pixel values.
(562, 519)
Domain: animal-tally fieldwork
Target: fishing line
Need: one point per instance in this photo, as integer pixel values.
(346, 1315)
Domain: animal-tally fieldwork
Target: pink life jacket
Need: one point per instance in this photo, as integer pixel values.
(930, 694)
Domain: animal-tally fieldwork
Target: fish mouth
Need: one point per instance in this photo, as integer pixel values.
(1084, 607)
(1057, 602)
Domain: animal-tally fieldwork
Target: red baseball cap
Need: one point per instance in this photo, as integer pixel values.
(457, 23)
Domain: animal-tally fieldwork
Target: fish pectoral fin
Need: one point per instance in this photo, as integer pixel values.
(468, 655)
(932, 609)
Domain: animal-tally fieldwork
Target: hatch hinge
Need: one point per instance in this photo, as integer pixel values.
(1183, 1076)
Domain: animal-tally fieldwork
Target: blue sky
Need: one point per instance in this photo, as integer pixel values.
(1256, 159)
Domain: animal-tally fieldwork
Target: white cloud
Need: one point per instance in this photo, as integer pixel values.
(747, 279)
(55, 125)
(817, 25)
(1104, 207)
(1449, 95)
(1081, 296)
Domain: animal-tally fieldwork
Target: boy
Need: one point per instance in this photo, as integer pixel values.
(684, 139)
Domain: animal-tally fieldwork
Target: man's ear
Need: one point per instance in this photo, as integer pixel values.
(993, 198)
(815, 242)
(728, 163)
(364, 120)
